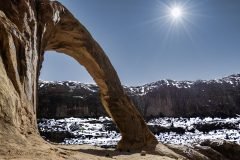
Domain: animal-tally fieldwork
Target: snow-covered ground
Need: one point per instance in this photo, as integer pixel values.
(102, 132)
(197, 129)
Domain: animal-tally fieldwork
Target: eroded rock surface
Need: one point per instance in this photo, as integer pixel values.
(28, 28)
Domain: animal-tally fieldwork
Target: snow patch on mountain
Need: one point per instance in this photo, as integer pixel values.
(72, 85)
(233, 80)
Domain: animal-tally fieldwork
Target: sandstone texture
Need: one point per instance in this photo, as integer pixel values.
(30, 27)
(27, 29)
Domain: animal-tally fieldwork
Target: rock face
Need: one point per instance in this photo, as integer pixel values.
(219, 97)
(27, 29)
(68, 99)
(163, 98)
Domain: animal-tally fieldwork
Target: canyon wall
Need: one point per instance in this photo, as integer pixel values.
(215, 98)
(163, 98)
(68, 99)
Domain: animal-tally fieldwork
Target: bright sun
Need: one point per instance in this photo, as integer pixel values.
(176, 12)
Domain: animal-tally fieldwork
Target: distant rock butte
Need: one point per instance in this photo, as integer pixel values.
(220, 97)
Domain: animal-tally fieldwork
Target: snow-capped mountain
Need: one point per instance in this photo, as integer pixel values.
(165, 97)
(233, 80)
(71, 85)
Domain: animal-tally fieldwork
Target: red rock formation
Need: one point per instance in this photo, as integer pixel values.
(28, 28)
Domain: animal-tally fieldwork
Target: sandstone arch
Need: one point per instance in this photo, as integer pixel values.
(27, 29)
(30, 27)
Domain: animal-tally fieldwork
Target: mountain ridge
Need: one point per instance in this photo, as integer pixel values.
(218, 97)
(233, 79)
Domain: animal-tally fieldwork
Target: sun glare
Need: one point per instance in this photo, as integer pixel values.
(175, 18)
(176, 12)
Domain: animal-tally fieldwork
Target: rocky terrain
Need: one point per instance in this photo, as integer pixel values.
(220, 97)
(209, 138)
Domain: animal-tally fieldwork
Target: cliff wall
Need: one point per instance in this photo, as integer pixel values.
(219, 97)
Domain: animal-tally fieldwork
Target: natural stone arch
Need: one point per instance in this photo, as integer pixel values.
(68, 36)
(30, 27)
(27, 29)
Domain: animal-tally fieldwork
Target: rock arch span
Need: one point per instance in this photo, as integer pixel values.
(30, 27)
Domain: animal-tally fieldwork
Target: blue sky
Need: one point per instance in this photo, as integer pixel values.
(145, 43)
